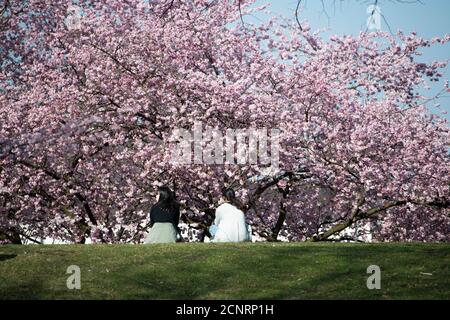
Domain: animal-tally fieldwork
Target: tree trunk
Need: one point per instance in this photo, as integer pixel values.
(336, 229)
(279, 225)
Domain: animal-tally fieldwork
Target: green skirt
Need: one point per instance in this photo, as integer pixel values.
(162, 232)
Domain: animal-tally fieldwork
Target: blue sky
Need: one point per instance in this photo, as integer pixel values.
(429, 18)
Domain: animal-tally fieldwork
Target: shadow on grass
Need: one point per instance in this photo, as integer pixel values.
(332, 272)
(31, 290)
(245, 272)
(273, 274)
(4, 257)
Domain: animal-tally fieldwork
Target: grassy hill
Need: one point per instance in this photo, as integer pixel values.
(226, 271)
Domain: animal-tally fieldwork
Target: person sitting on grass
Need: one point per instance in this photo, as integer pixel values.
(229, 224)
(164, 218)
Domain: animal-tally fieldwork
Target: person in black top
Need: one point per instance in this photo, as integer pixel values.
(164, 218)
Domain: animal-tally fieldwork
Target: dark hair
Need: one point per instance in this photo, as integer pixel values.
(166, 198)
(230, 196)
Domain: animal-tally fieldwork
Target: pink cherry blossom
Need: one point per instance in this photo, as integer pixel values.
(87, 116)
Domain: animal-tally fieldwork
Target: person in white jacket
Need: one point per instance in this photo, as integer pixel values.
(230, 223)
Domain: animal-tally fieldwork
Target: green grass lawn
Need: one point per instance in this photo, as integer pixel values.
(226, 271)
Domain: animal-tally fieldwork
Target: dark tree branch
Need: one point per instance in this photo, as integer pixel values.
(438, 203)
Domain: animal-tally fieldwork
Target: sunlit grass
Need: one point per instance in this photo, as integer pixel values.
(226, 271)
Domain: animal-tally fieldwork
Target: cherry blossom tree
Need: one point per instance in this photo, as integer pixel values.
(89, 109)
